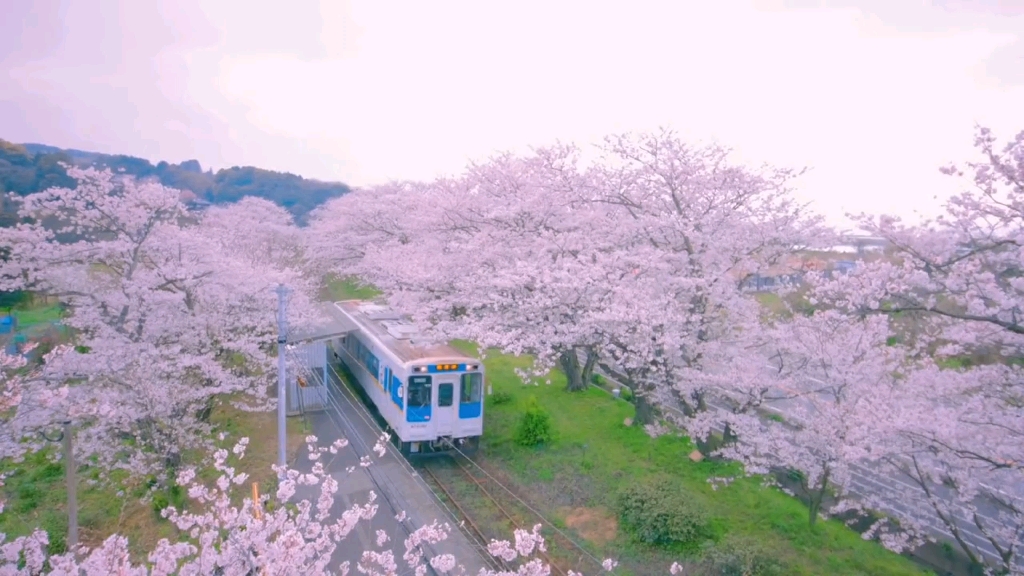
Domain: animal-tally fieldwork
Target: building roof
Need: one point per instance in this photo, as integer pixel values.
(333, 324)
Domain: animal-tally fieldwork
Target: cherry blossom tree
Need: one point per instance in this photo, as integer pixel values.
(261, 247)
(704, 225)
(507, 255)
(162, 304)
(841, 384)
(342, 230)
(543, 246)
(958, 277)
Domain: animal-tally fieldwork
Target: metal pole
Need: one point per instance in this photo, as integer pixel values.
(69, 470)
(282, 377)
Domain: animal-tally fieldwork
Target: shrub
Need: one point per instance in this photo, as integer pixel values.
(499, 398)
(741, 556)
(660, 512)
(172, 496)
(597, 380)
(534, 426)
(160, 501)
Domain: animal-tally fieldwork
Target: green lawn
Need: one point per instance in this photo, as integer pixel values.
(40, 314)
(348, 288)
(594, 455)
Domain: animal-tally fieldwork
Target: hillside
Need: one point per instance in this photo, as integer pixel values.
(28, 168)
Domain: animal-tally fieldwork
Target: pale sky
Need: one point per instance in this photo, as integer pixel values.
(872, 95)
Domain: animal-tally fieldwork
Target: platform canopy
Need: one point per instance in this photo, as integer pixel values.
(332, 324)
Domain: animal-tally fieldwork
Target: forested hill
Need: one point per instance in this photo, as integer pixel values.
(28, 168)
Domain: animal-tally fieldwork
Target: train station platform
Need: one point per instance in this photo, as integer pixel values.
(398, 486)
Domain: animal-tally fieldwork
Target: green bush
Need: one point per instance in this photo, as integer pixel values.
(597, 380)
(534, 426)
(172, 496)
(626, 394)
(499, 398)
(660, 512)
(160, 501)
(741, 556)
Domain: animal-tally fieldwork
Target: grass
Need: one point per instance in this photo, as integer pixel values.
(37, 314)
(783, 307)
(594, 455)
(772, 302)
(348, 288)
(36, 495)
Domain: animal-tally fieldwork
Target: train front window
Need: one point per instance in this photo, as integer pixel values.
(445, 395)
(472, 386)
(419, 391)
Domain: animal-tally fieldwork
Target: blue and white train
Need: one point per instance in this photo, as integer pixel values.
(430, 396)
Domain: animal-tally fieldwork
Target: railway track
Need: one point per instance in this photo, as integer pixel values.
(442, 473)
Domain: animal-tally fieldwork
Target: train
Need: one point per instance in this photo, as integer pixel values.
(430, 396)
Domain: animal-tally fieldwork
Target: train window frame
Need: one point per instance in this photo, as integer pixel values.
(475, 388)
(451, 394)
(414, 384)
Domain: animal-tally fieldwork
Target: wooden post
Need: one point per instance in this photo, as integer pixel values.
(257, 508)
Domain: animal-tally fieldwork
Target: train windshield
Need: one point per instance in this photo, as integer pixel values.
(472, 385)
(419, 391)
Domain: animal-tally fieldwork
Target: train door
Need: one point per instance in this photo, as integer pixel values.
(445, 417)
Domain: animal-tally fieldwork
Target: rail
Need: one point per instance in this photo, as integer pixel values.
(516, 523)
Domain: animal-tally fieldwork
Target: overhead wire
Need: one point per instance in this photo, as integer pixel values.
(527, 506)
(333, 398)
(368, 419)
(356, 441)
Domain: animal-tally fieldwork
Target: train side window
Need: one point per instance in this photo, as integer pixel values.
(419, 391)
(472, 386)
(445, 395)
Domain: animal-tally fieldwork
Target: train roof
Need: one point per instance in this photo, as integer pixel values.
(396, 332)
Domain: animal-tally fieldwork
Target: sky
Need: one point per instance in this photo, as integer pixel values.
(872, 96)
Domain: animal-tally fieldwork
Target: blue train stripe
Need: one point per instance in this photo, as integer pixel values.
(470, 409)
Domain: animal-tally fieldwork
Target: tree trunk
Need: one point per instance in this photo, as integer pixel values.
(644, 410)
(204, 412)
(728, 436)
(816, 497)
(570, 364)
(587, 372)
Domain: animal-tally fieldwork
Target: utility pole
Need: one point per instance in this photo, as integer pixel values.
(69, 471)
(282, 377)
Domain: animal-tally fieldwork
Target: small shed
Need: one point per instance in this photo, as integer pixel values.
(308, 385)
